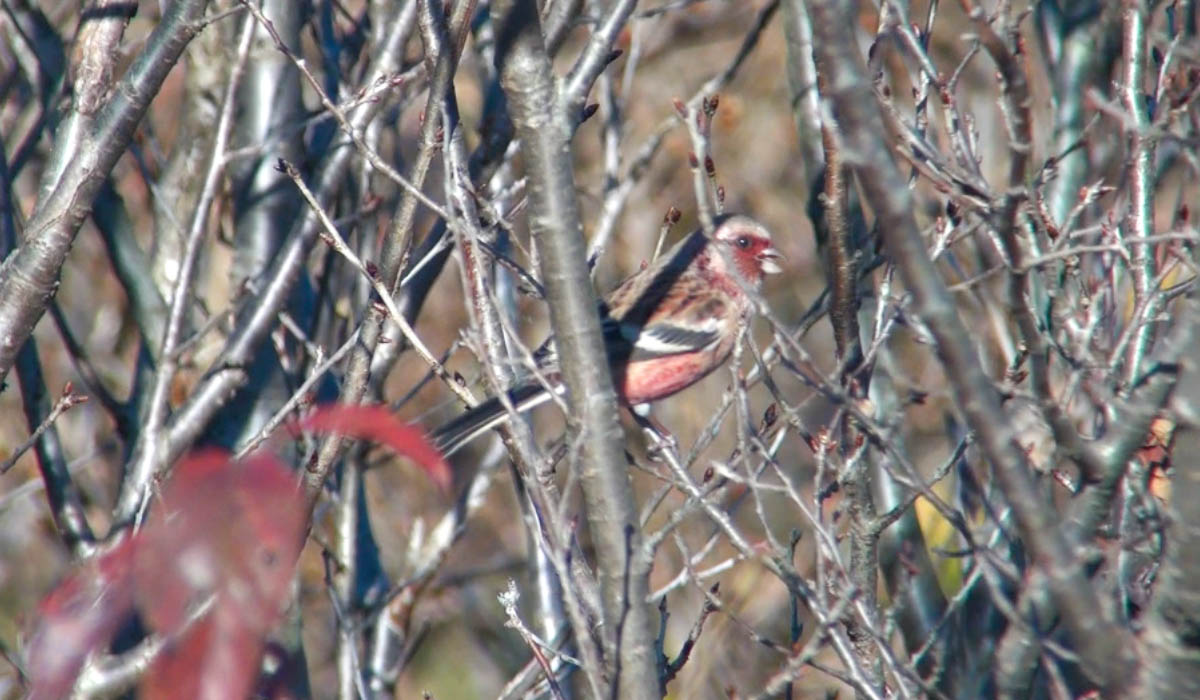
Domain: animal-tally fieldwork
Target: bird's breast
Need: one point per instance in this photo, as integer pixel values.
(657, 378)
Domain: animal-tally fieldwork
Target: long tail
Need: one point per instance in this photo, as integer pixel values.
(454, 435)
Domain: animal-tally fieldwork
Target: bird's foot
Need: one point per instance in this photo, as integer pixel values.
(661, 446)
(660, 439)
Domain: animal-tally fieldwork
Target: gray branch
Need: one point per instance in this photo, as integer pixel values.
(544, 125)
(29, 276)
(1102, 647)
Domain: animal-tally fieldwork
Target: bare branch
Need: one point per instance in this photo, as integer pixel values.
(542, 121)
(29, 275)
(1104, 654)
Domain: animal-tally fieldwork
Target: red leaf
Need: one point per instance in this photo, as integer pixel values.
(81, 615)
(230, 529)
(224, 533)
(376, 423)
(176, 670)
(217, 657)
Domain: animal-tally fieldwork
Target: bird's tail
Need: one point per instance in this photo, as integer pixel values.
(454, 435)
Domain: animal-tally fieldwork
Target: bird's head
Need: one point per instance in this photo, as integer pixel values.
(748, 244)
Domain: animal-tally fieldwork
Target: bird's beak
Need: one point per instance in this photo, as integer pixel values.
(767, 261)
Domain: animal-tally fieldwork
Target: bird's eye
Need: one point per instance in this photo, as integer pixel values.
(743, 242)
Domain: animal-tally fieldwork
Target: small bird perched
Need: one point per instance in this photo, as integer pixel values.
(665, 328)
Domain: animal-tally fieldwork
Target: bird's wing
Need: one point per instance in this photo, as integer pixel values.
(629, 341)
(663, 309)
(661, 337)
(667, 309)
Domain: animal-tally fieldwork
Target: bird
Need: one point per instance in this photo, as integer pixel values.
(665, 327)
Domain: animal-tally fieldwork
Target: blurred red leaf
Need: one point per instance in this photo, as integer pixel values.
(173, 673)
(80, 615)
(220, 528)
(378, 424)
(223, 531)
(217, 657)
(226, 530)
